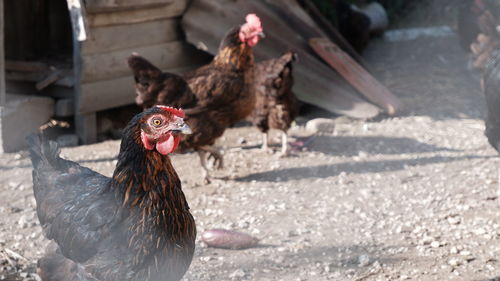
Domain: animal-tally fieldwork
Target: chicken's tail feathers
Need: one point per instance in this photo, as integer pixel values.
(43, 151)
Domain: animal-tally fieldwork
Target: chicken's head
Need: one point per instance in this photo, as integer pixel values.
(251, 32)
(161, 128)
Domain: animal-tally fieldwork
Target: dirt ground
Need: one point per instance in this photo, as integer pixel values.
(409, 197)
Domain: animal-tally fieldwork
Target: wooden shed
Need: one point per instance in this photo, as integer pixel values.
(67, 58)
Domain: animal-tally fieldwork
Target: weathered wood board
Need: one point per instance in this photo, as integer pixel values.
(175, 9)
(112, 5)
(12, 131)
(111, 65)
(110, 38)
(356, 75)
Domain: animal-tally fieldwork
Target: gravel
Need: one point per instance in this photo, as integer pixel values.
(411, 197)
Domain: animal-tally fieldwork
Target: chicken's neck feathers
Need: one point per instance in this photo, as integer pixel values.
(147, 179)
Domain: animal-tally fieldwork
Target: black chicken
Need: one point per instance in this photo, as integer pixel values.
(135, 225)
(491, 83)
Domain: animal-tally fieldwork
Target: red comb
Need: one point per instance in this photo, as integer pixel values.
(175, 111)
(253, 19)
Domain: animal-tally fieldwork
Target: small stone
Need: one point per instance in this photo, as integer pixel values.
(454, 220)
(455, 262)
(23, 222)
(242, 140)
(363, 260)
(480, 231)
(427, 240)
(435, 244)
(237, 274)
(321, 125)
(454, 250)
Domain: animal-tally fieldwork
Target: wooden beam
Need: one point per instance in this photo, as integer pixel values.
(26, 66)
(110, 38)
(114, 5)
(357, 76)
(106, 66)
(175, 9)
(48, 80)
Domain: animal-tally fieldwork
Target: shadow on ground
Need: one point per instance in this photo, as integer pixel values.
(351, 146)
(325, 171)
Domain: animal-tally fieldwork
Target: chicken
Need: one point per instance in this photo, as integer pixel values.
(491, 84)
(218, 95)
(467, 25)
(135, 225)
(276, 106)
(155, 87)
(477, 30)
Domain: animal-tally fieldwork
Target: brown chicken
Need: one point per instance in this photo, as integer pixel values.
(156, 87)
(219, 94)
(226, 84)
(135, 225)
(477, 29)
(276, 106)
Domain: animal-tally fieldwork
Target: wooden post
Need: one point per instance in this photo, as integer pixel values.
(2, 58)
(2, 76)
(85, 124)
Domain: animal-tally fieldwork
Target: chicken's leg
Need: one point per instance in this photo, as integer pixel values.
(203, 162)
(284, 144)
(216, 154)
(265, 139)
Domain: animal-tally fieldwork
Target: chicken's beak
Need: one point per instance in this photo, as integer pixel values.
(183, 129)
(261, 34)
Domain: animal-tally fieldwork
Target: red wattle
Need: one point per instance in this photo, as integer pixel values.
(145, 141)
(167, 145)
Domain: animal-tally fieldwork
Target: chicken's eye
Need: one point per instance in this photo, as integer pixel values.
(156, 122)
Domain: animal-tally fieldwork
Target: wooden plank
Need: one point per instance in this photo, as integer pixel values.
(175, 9)
(21, 116)
(356, 75)
(110, 38)
(19, 87)
(113, 5)
(112, 65)
(64, 108)
(48, 80)
(97, 96)
(26, 66)
(66, 77)
(59, 92)
(86, 127)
